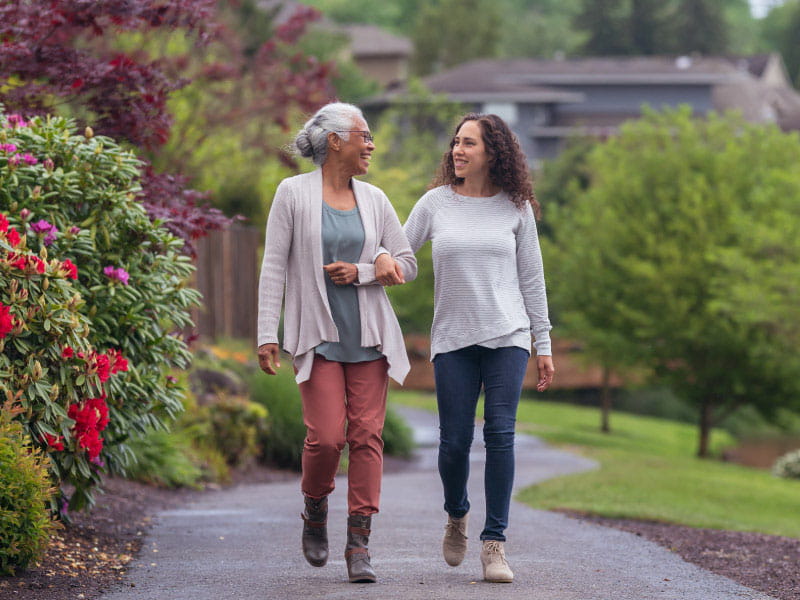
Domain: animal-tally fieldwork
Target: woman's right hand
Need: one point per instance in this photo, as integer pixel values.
(269, 358)
(387, 271)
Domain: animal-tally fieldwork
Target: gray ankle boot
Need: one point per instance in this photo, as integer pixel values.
(356, 553)
(315, 531)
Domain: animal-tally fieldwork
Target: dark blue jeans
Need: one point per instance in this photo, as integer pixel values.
(459, 377)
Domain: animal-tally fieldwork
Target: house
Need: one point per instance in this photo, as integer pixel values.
(380, 55)
(548, 101)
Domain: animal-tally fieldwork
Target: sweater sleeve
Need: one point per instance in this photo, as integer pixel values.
(530, 272)
(272, 282)
(393, 241)
(418, 225)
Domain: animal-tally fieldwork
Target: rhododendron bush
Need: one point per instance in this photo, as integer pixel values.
(92, 295)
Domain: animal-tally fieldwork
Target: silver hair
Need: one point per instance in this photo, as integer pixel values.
(312, 140)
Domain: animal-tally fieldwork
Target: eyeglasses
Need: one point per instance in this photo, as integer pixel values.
(364, 134)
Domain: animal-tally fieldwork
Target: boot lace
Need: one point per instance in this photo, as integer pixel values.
(495, 551)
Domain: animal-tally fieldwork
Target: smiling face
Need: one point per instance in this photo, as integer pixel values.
(471, 159)
(356, 152)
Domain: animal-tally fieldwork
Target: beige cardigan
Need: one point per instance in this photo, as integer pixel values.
(293, 262)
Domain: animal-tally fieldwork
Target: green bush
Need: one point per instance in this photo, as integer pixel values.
(788, 465)
(73, 197)
(25, 491)
(398, 439)
(164, 458)
(238, 426)
(279, 394)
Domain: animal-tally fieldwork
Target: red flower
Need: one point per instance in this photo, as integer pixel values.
(102, 366)
(118, 362)
(3, 223)
(13, 237)
(56, 443)
(6, 321)
(70, 269)
(20, 263)
(67, 352)
(90, 419)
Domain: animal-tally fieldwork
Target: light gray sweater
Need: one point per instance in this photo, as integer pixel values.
(489, 280)
(293, 263)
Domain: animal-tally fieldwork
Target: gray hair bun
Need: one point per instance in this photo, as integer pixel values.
(312, 140)
(303, 144)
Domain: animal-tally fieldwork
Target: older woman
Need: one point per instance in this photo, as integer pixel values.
(323, 231)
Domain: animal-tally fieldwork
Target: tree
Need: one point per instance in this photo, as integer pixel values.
(55, 59)
(780, 32)
(397, 15)
(646, 26)
(684, 255)
(247, 86)
(450, 32)
(605, 23)
(700, 26)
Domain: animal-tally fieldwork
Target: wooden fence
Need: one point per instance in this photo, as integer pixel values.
(227, 276)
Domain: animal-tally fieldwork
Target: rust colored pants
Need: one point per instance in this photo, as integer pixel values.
(345, 403)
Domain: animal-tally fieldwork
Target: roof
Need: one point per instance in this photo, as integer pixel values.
(650, 70)
(370, 40)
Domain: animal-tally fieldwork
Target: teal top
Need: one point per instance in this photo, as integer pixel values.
(343, 239)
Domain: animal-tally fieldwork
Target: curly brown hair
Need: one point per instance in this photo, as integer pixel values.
(508, 168)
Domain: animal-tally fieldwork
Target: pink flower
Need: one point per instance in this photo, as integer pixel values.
(17, 121)
(14, 160)
(117, 273)
(48, 229)
(42, 226)
(74, 230)
(24, 214)
(8, 148)
(30, 159)
(49, 164)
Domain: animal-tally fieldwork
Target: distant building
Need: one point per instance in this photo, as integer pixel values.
(381, 56)
(547, 101)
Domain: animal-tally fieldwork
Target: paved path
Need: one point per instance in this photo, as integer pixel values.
(243, 543)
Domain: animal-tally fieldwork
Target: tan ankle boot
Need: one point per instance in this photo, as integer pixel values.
(495, 566)
(454, 544)
(356, 554)
(315, 531)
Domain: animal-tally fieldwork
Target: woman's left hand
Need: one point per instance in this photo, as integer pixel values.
(546, 370)
(342, 273)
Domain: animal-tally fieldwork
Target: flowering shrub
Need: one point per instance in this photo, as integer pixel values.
(94, 293)
(46, 362)
(788, 465)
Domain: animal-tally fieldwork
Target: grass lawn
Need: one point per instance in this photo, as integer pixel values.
(648, 471)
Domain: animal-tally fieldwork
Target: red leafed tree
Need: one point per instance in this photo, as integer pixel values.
(58, 55)
(250, 78)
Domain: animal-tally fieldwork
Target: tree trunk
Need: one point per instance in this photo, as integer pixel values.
(706, 414)
(605, 402)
